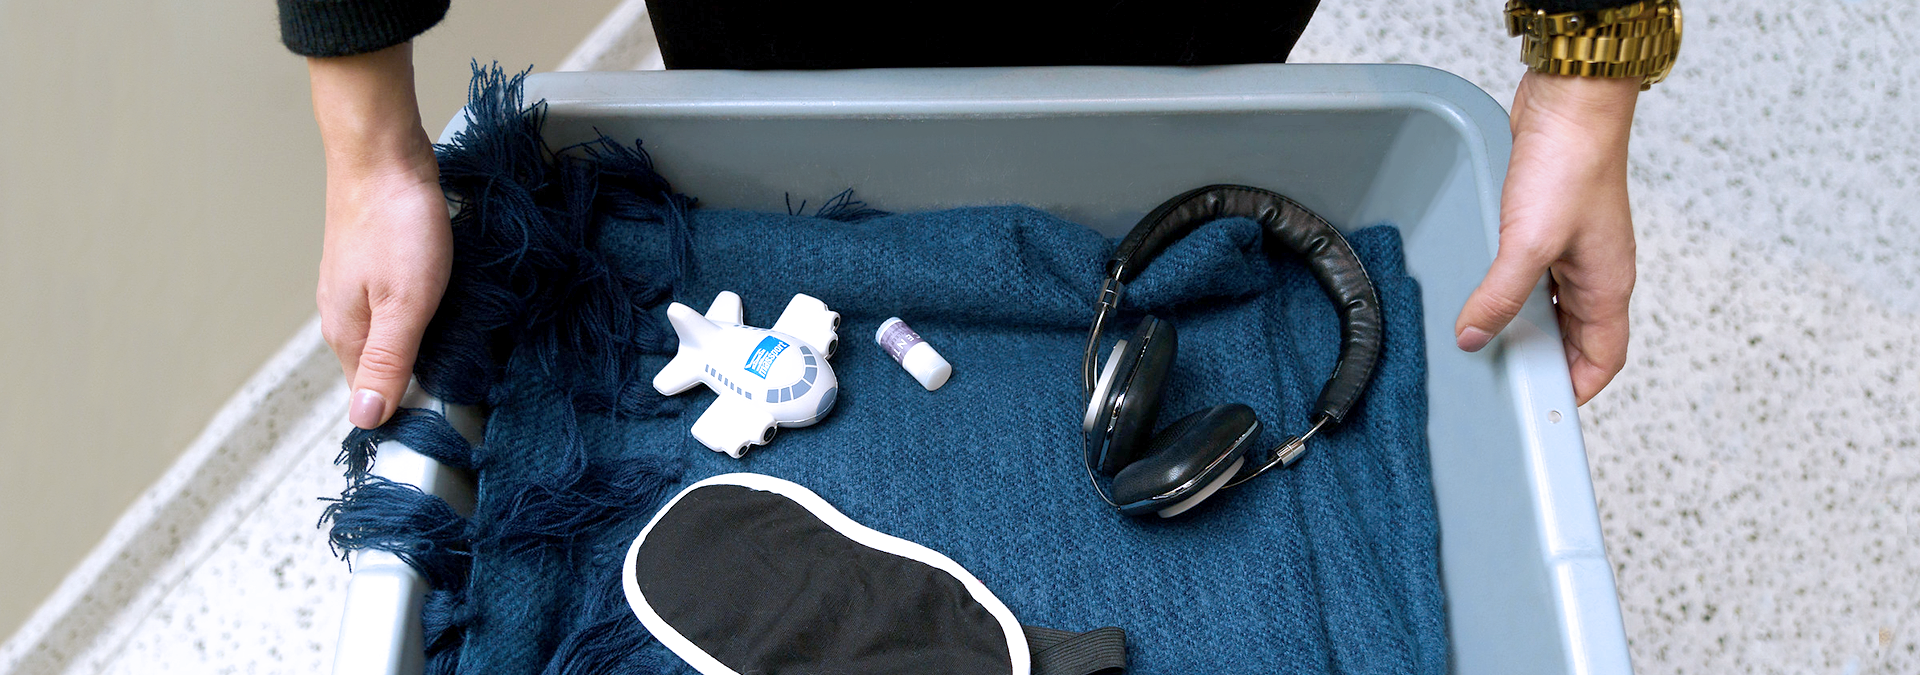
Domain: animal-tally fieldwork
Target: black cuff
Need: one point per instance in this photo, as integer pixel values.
(348, 27)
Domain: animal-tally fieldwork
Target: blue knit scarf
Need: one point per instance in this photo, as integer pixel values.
(555, 320)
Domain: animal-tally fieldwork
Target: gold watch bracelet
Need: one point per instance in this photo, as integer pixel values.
(1637, 40)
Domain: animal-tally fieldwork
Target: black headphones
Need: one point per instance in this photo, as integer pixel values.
(1208, 450)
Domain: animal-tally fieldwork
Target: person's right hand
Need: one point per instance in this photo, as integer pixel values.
(383, 269)
(389, 246)
(1564, 213)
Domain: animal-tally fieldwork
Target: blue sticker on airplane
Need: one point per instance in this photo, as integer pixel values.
(764, 354)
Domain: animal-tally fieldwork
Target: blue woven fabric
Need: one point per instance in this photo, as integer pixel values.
(1329, 566)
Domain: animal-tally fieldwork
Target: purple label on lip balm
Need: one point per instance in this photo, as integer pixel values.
(897, 339)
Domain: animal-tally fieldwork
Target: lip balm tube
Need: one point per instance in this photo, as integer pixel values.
(913, 353)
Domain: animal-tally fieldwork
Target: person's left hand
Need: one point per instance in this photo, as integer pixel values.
(1564, 211)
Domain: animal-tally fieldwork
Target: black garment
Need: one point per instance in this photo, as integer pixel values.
(782, 34)
(764, 34)
(347, 27)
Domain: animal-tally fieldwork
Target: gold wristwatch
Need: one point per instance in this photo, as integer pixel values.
(1637, 40)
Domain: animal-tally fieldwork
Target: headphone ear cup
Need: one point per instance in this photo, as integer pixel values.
(1133, 396)
(1187, 461)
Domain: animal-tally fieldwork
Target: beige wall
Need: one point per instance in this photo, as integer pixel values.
(160, 213)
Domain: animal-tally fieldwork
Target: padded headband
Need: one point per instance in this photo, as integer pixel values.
(1288, 226)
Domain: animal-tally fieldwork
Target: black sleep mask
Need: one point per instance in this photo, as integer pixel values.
(746, 573)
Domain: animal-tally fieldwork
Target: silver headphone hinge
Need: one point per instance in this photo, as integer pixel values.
(1111, 291)
(1284, 455)
(1297, 446)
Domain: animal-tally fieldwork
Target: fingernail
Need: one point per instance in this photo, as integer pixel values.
(368, 407)
(1472, 339)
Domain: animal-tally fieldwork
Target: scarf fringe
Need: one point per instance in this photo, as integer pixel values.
(528, 280)
(610, 640)
(531, 293)
(842, 207)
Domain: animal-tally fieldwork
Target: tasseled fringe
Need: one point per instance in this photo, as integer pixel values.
(423, 431)
(610, 639)
(842, 207)
(531, 292)
(358, 450)
(443, 620)
(419, 528)
(536, 514)
(527, 275)
(376, 513)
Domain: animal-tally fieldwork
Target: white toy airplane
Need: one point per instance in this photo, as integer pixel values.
(765, 378)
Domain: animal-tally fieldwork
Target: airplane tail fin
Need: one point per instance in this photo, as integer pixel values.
(684, 371)
(725, 307)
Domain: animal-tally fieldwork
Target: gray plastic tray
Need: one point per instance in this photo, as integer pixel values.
(1529, 589)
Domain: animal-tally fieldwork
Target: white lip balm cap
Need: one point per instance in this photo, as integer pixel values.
(914, 354)
(927, 366)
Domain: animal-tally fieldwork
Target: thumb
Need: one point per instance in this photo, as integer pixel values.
(1499, 297)
(386, 363)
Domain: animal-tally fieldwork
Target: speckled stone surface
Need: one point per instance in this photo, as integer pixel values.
(268, 598)
(1757, 464)
(220, 569)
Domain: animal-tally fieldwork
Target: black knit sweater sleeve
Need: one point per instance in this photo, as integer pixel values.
(347, 27)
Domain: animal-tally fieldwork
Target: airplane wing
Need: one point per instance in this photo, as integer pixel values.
(683, 372)
(808, 319)
(733, 423)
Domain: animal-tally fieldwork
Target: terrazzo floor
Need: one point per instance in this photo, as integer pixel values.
(267, 599)
(1757, 464)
